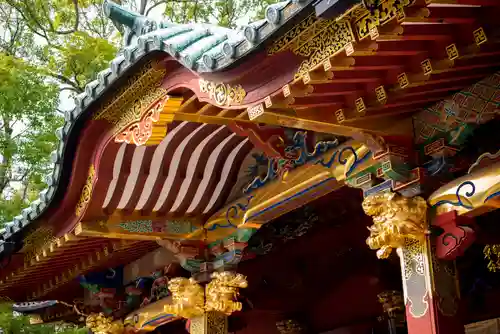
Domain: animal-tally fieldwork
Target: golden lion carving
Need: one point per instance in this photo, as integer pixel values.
(188, 298)
(222, 292)
(395, 218)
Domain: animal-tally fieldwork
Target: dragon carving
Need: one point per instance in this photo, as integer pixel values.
(222, 292)
(395, 218)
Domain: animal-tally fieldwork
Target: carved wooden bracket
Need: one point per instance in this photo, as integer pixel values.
(457, 235)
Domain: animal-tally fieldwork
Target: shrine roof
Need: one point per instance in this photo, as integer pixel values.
(199, 47)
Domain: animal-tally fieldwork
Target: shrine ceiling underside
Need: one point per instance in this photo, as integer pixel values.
(186, 131)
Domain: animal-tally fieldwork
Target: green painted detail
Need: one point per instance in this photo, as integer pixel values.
(139, 226)
(398, 172)
(244, 234)
(192, 265)
(121, 15)
(179, 226)
(205, 45)
(181, 42)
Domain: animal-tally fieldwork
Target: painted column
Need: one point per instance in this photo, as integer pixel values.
(430, 285)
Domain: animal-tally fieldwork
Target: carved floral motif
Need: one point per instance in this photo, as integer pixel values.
(395, 218)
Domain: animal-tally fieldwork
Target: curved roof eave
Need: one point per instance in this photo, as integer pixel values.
(224, 52)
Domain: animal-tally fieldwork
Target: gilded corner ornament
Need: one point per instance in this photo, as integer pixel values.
(395, 219)
(223, 94)
(100, 324)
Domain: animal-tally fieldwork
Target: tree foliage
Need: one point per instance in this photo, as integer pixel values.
(28, 121)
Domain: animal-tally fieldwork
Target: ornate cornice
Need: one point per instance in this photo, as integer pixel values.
(396, 219)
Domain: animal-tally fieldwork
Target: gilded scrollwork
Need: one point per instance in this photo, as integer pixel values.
(395, 219)
(379, 15)
(222, 292)
(86, 193)
(134, 98)
(211, 322)
(223, 94)
(139, 130)
(331, 40)
(298, 35)
(492, 254)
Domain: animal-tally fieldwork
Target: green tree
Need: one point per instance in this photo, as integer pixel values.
(20, 324)
(28, 121)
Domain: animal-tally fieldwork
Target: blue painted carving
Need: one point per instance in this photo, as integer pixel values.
(342, 159)
(297, 154)
(233, 212)
(492, 196)
(459, 201)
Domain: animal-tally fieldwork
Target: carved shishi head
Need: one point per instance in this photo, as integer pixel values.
(395, 218)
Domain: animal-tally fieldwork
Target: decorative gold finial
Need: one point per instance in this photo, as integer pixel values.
(394, 219)
(222, 292)
(100, 324)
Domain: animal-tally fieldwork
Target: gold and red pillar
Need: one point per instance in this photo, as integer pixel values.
(430, 285)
